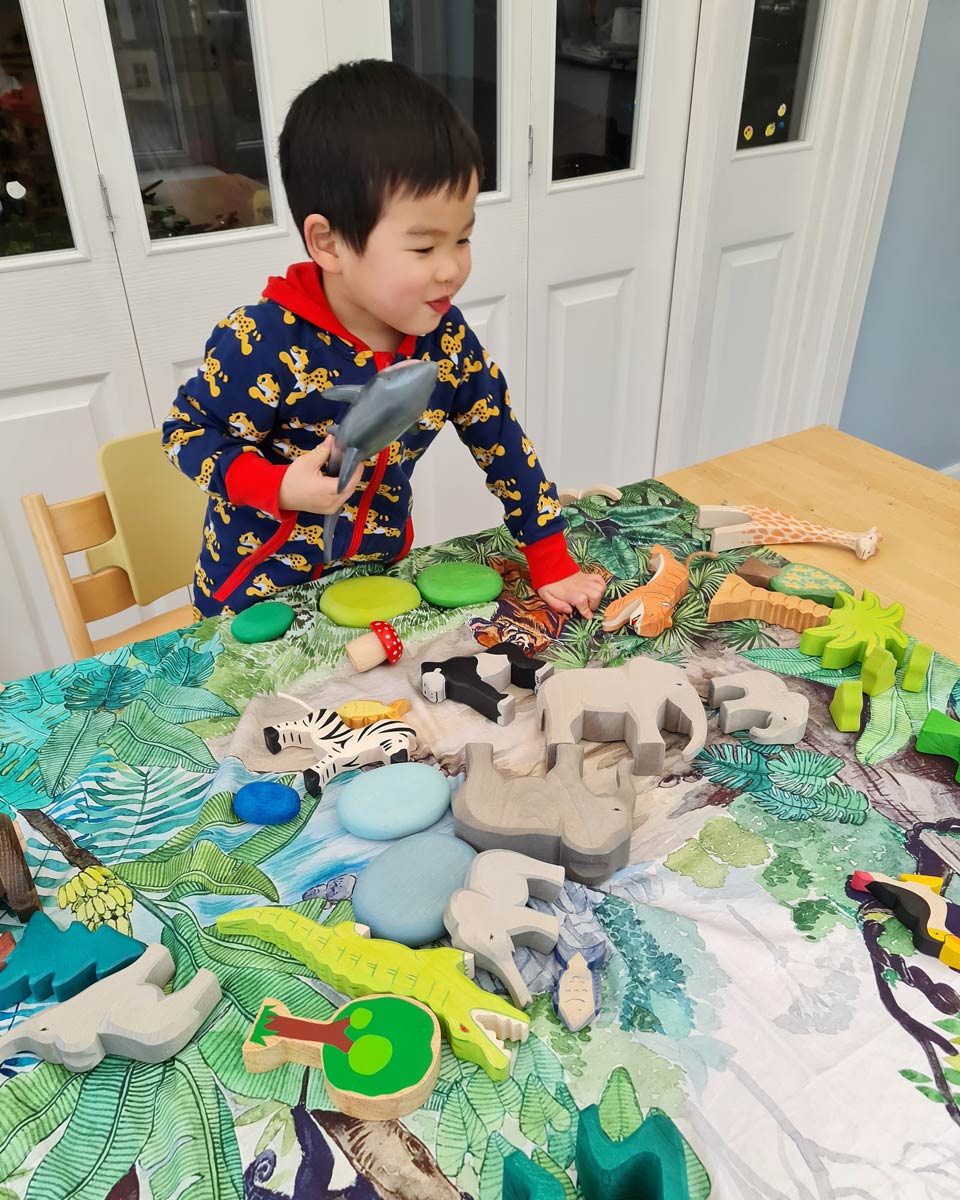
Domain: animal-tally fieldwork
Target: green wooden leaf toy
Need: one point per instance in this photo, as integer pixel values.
(811, 583)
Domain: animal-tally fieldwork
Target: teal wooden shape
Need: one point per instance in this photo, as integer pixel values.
(49, 962)
(649, 1164)
(525, 1180)
(939, 734)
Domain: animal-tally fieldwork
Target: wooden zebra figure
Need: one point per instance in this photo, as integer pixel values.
(340, 748)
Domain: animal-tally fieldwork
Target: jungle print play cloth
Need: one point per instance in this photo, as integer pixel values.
(788, 1026)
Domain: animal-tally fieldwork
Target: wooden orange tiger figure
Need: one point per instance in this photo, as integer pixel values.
(649, 608)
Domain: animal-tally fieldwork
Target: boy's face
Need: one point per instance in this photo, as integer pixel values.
(415, 261)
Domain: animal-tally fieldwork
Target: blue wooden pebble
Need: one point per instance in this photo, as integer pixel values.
(403, 893)
(394, 801)
(264, 802)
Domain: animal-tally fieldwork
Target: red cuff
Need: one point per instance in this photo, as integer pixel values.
(253, 481)
(549, 560)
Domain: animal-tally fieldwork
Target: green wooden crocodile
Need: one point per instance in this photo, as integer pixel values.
(476, 1023)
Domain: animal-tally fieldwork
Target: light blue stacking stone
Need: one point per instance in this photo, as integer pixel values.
(403, 893)
(393, 801)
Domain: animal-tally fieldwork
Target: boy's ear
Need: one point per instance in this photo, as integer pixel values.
(322, 243)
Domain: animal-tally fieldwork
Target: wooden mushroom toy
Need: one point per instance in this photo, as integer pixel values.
(371, 649)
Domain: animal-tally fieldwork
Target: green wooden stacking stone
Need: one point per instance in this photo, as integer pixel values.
(264, 622)
(939, 734)
(879, 672)
(356, 602)
(454, 584)
(915, 674)
(810, 583)
(846, 707)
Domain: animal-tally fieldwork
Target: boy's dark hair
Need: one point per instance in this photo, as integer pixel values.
(364, 131)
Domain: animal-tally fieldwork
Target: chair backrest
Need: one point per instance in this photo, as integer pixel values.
(140, 535)
(61, 529)
(157, 514)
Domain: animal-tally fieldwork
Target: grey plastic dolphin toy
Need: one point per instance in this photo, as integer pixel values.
(381, 410)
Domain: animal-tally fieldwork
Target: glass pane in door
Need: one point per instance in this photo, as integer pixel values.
(453, 43)
(779, 67)
(189, 87)
(595, 88)
(33, 216)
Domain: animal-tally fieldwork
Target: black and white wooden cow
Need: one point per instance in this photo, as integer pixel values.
(475, 680)
(340, 748)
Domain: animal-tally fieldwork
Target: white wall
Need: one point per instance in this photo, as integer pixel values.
(904, 387)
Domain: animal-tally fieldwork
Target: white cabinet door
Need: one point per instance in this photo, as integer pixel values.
(70, 374)
(186, 99)
(478, 51)
(611, 86)
(795, 110)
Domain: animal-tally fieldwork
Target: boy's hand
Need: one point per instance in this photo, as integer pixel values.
(306, 489)
(581, 592)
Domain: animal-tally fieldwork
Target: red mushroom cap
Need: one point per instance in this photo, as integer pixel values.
(388, 639)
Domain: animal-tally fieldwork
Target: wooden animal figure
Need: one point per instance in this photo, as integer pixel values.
(748, 525)
(16, 882)
(572, 495)
(557, 819)
(359, 713)
(476, 1023)
(126, 1013)
(340, 748)
(916, 901)
(631, 703)
(762, 703)
(736, 600)
(474, 680)
(649, 608)
(380, 1055)
(488, 916)
(577, 994)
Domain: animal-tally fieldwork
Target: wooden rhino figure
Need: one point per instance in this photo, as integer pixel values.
(631, 704)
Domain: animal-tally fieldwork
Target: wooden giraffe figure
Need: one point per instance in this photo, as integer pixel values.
(747, 525)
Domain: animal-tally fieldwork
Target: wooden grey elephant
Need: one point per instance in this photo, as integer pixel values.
(762, 703)
(488, 916)
(631, 703)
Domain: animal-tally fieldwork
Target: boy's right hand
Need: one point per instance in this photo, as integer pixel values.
(305, 488)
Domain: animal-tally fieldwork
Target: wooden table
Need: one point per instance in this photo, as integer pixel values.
(840, 481)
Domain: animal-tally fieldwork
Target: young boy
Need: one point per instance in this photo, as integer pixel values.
(381, 174)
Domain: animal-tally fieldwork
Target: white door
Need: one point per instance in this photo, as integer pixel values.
(70, 377)
(611, 86)
(795, 112)
(478, 52)
(186, 99)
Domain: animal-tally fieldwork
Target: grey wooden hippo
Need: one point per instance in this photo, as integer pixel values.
(631, 704)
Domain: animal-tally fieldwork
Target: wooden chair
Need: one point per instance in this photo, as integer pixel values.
(140, 535)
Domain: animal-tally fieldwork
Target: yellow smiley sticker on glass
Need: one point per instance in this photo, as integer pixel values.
(770, 130)
(747, 133)
(782, 110)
